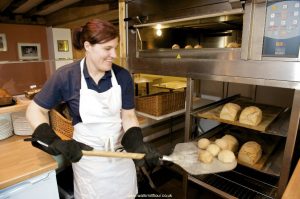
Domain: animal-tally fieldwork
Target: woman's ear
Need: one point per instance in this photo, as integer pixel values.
(86, 45)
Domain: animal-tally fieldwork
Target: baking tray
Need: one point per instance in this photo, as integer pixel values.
(268, 163)
(268, 144)
(269, 114)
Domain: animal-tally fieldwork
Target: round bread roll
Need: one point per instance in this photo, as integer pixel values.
(188, 46)
(175, 46)
(222, 143)
(213, 149)
(205, 156)
(203, 143)
(250, 152)
(251, 115)
(232, 142)
(226, 156)
(198, 46)
(230, 112)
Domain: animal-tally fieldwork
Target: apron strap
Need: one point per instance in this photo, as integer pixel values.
(109, 144)
(113, 78)
(83, 83)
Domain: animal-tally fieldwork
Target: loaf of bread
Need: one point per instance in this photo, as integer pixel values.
(250, 153)
(5, 97)
(230, 112)
(251, 115)
(232, 142)
(188, 46)
(175, 46)
(198, 46)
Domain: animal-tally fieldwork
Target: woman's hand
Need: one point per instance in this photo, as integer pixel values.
(133, 142)
(46, 139)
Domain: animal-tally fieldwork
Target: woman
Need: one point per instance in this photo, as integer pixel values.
(100, 98)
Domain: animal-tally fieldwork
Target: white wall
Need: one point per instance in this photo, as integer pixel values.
(60, 57)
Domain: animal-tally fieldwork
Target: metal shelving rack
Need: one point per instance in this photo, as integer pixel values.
(285, 126)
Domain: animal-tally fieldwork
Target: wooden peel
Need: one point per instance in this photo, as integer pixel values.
(112, 154)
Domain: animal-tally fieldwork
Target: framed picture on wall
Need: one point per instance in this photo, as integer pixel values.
(3, 44)
(62, 45)
(29, 51)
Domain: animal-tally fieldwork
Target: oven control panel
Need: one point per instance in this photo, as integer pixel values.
(282, 29)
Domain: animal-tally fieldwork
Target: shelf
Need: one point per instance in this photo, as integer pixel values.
(269, 114)
(31, 61)
(280, 125)
(146, 121)
(276, 118)
(236, 184)
(21, 105)
(273, 166)
(196, 104)
(173, 85)
(163, 116)
(139, 79)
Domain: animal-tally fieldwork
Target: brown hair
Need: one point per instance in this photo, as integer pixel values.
(95, 31)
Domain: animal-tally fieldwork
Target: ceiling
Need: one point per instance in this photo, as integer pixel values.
(44, 11)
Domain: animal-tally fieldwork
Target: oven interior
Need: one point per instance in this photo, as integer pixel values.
(212, 32)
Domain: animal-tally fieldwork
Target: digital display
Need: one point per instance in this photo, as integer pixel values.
(282, 29)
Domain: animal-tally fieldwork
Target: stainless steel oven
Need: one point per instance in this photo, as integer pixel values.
(247, 32)
(253, 42)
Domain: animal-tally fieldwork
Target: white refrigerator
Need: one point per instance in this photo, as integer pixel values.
(43, 186)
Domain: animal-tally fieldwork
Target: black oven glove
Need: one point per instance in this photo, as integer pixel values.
(47, 140)
(132, 141)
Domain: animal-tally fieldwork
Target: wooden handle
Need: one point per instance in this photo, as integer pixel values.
(114, 154)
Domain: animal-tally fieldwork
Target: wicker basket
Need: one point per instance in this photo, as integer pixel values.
(61, 125)
(160, 103)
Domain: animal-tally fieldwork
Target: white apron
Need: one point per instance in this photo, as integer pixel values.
(101, 128)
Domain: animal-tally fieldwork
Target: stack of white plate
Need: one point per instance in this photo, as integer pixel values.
(20, 124)
(6, 129)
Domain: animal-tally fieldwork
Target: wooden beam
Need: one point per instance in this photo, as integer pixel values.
(55, 6)
(4, 4)
(42, 6)
(27, 5)
(110, 15)
(68, 14)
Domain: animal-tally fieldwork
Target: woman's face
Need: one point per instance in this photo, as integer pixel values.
(101, 56)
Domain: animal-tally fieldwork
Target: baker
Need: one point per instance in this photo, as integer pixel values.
(100, 98)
